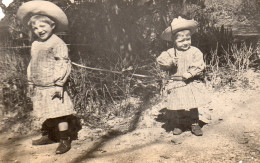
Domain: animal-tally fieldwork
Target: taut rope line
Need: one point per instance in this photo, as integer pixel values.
(105, 70)
(175, 78)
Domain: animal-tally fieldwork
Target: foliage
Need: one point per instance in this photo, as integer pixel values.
(13, 81)
(237, 61)
(214, 37)
(250, 9)
(121, 36)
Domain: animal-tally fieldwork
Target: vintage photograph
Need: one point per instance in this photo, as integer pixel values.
(129, 81)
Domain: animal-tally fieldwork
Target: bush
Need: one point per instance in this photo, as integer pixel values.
(237, 60)
(16, 104)
(122, 36)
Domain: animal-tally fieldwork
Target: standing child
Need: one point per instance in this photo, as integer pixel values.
(47, 72)
(186, 62)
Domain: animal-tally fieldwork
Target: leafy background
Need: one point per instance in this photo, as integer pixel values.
(124, 36)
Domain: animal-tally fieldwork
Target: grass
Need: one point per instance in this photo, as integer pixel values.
(237, 61)
(14, 82)
(15, 104)
(98, 96)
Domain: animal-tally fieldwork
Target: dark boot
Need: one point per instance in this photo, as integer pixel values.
(180, 121)
(65, 143)
(64, 146)
(177, 131)
(196, 130)
(194, 121)
(44, 140)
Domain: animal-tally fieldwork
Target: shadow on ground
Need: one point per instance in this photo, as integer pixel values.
(113, 134)
(11, 144)
(169, 119)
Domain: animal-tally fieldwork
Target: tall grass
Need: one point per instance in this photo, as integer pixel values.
(97, 94)
(13, 82)
(238, 58)
(15, 105)
(236, 61)
(112, 39)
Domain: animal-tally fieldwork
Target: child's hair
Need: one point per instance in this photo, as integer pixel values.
(41, 18)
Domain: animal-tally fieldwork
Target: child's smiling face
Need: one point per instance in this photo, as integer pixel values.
(182, 40)
(42, 30)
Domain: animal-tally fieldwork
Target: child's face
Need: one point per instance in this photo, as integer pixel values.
(42, 30)
(183, 40)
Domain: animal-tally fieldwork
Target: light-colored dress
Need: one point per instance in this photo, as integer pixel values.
(180, 94)
(49, 69)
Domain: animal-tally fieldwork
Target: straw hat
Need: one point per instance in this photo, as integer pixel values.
(28, 9)
(179, 24)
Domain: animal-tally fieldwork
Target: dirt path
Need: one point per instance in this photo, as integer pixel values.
(232, 135)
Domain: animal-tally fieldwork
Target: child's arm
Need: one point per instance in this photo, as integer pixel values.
(197, 65)
(63, 65)
(165, 60)
(29, 74)
(30, 88)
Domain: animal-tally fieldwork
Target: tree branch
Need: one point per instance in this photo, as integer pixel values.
(3, 6)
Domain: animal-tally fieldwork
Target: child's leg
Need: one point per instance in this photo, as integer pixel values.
(74, 126)
(65, 140)
(194, 118)
(181, 121)
(63, 126)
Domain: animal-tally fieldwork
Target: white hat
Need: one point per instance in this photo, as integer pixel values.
(28, 9)
(179, 24)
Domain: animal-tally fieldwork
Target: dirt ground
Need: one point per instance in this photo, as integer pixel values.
(231, 134)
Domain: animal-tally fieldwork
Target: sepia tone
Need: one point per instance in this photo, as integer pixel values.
(116, 85)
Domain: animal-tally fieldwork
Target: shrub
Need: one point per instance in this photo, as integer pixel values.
(237, 60)
(16, 104)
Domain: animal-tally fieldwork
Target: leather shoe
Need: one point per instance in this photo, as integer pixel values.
(196, 130)
(44, 140)
(177, 131)
(64, 146)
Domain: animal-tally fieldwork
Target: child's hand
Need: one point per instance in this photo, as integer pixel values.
(58, 93)
(186, 76)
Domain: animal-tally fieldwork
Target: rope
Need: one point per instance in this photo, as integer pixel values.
(22, 47)
(105, 70)
(175, 78)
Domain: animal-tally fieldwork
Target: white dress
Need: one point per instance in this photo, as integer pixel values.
(193, 93)
(48, 69)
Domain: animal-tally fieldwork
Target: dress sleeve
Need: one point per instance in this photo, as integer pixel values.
(29, 71)
(165, 60)
(29, 79)
(197, 64)
(62, 65)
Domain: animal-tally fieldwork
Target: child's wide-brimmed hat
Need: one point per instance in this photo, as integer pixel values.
(179, 24)
(28, 9)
